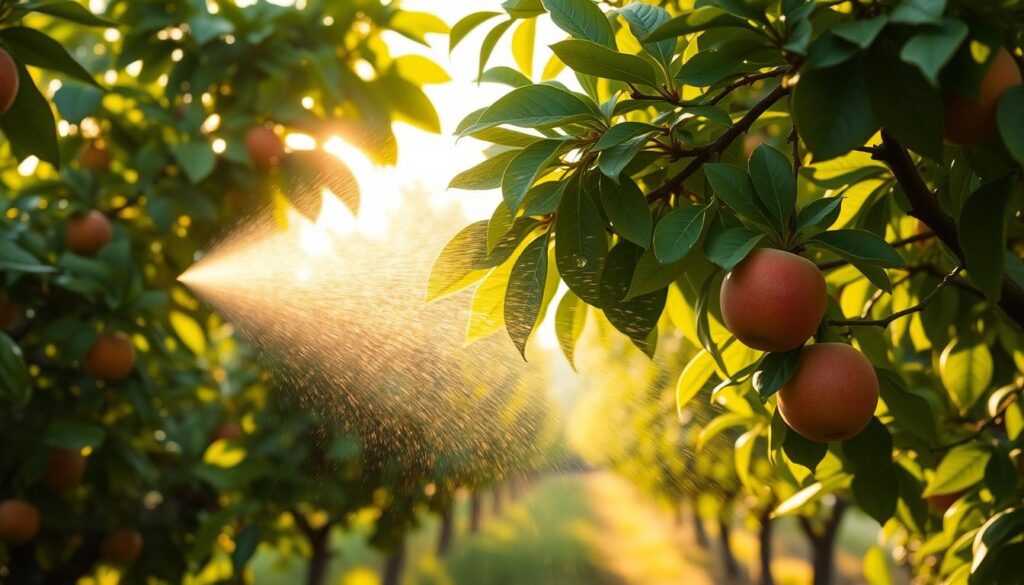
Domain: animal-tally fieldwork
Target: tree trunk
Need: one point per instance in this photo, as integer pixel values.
(496, 493)
(476, 509)
(765, 552)
(732, 569)
(823, 545)
(394, 565)
(319, 541)
(444, 539)
(699, 534)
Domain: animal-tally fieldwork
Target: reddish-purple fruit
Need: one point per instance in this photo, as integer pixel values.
(95, 156)
(265, 148)
(122, 546)
(10, 81)
(19, 521)
(971, 122)
(86, 234)
(64, 469)
(111, 357)
(773, 300)
(832, 395)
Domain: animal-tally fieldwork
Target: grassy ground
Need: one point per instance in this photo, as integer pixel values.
(591, 529)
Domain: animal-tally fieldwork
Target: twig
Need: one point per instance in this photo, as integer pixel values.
(746, 80)
(987, 423)
(885, 321)
(925, 207)
(703, 154)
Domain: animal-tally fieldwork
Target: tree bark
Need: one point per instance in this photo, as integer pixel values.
(394, 565)
(496, 493)
(316, 572)
(476, 509)
(732, 569)
(765, 552)
(444, 538)
(823, 545)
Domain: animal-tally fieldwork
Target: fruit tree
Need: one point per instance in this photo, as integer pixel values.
(853, 277)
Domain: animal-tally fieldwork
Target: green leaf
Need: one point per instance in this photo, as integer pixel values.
(414, 25)
(523, 40)
(966, 371)
(525, 292)
(911, 412)
(409, 104)
(775, 370)
(73, 434)
(819, 214)
(982, 230)
(918, 12)
(29, 123)
(803, 451)
(489, 42)
(77, 101)
(523, 8)
(593, 59)
(1010, 115)
(582, 19)
(877, 494)
(828, 50)
(68, 10)
(466, 25)
(859, 245)
(712, 66)
(627, 211)
(870, 451)
(570, 317)
(32, 47)
(615, 159)
(860, 32)
(196, 159)
(486, 175)
(652, 275)
(14, 380)
(500, 223)
(832, 110)
(623, 131)
(695, 375)
(543, 198)
(698, 19)
(959, 470)
(580, 242)
(932, 48)
(733, 186)
(643, 19)
(993, 534)
(774, 182)
(677, 233)
(534, 106)
(636, 317)
(530, 164)
(14, 258)
(729, 247)
(455, 264)
(905, 102)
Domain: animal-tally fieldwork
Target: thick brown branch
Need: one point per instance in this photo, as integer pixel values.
(925, 207)
(704, 154)
(885, 321)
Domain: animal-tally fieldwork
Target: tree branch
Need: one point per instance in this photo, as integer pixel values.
(746, 80)
(885, 321)
(925, 207)
(704, 154)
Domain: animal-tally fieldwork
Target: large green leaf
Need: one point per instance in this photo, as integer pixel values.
(774, 182)
(74, 434)
(486, 175)
(859, 245)
(803, 451)
(29, 123)
(636, 317)
(860, 32)
(832, 110)
(14, 381)
(695, 20)
(196, 159)
(570, 317)
(932, 48)
(729, 247)
(966, 371)
(534, 106)
(526, 167)
(677, 232)
(454, 266)
(643, 19)
(904, 101)
(582, 19)
(626, 207)
(580, 241)
(911, 413)
(918, 11)
(465, 26)
(982, 230)
(525, 293)
(594, 59)
(623, 132)
(774, 371)
(1010, 115)
(733, 185)
(32, 47)
(960, 469)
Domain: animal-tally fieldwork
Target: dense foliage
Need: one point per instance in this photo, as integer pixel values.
(138, 432)
(882, 140)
